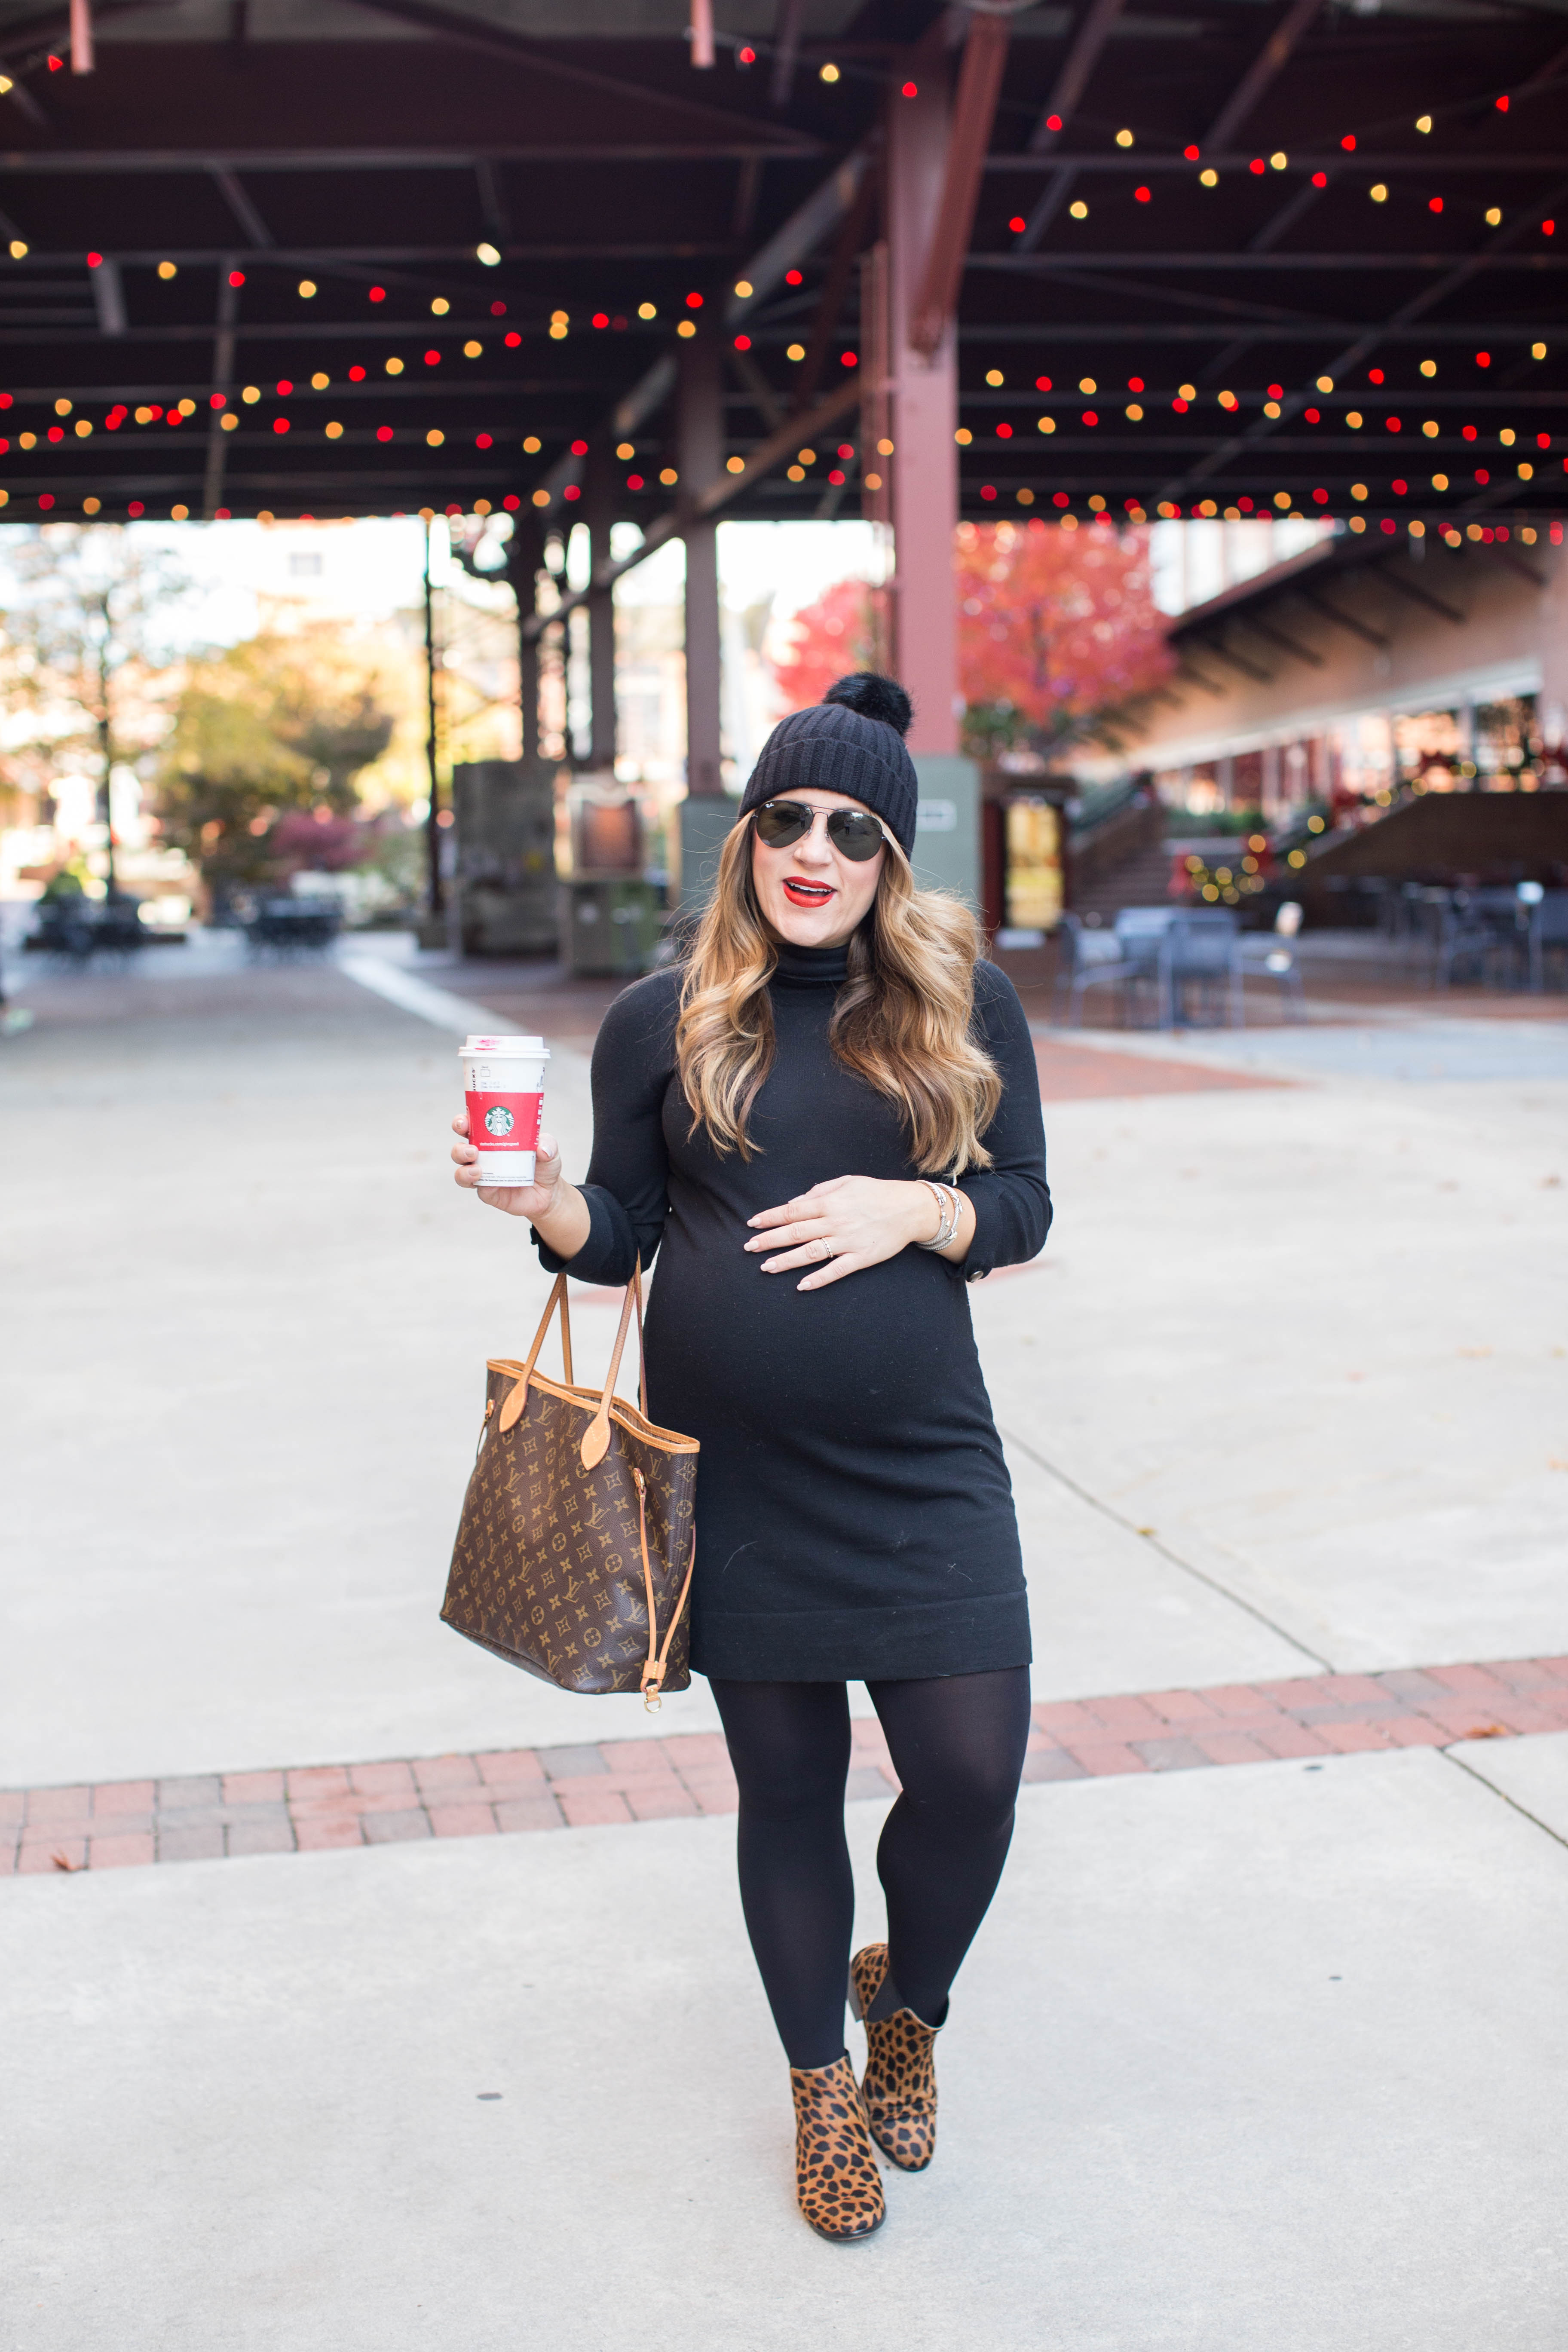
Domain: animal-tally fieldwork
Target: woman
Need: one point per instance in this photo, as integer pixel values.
(826, 1122)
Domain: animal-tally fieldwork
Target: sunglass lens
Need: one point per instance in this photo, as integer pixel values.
(858, 836)
(779, 822)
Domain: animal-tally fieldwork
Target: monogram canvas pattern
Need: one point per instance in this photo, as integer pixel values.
(547, 1570)
(900, 2085)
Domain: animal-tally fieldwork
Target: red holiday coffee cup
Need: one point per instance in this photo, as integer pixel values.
(503, 1086)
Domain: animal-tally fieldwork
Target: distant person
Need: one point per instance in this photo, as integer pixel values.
(827, 1121)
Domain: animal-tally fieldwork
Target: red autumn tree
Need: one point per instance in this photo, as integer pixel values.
(1058, 630)
(825, 641)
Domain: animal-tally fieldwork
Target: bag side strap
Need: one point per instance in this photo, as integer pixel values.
(596, 1436)
(517, 1395)
(658, 1665)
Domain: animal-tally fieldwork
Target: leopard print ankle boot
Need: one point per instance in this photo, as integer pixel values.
(835, 2175)
(900, 2088)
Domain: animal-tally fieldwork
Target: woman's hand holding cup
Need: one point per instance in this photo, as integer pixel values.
(535, 1201)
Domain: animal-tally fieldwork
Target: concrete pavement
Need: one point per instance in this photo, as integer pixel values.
(1245, 2059)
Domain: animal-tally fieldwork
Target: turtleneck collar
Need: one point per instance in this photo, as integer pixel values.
(810, 967)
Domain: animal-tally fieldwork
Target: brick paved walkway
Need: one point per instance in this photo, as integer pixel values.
(300, 1809)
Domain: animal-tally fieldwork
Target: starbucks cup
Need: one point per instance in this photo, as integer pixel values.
(503, 1086)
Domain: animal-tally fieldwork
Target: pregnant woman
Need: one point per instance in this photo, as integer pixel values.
(826, 1122)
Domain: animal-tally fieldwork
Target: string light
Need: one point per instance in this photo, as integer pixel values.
(165, 269)
(1424, 122)
(488, 254)
(1208, 179)
(439, 307)
(1079, 210)
(646, 311)
(829, 73)
(307, 288)
(1124, 139)
(378, 293)
(471, 351)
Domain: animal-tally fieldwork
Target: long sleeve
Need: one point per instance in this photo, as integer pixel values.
(1011, 1200)
(628, 1174)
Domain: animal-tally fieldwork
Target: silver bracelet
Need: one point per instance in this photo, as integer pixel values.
(947, 1225)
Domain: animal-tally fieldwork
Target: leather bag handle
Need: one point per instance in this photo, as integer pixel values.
(517, 1395)
(596, 1436)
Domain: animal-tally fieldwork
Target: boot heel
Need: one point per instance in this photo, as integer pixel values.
(857, 2007)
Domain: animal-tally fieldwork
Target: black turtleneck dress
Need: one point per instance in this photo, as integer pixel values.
(854, 1514)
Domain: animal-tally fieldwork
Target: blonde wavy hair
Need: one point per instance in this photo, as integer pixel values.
(902, 1020)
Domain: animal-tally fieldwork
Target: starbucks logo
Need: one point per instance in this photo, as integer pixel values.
(497, 1120)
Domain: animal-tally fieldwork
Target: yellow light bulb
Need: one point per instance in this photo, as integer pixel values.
(1124, 139)
(532, 445)
(1494, 215)
(307, 288)
(829, 73)
(1208, 179)
(488, 254)
(743, 288)
(993, 377)
(165, 269)
(1078, 211)
(1423, 122)
(646, 311)
(471, 351)
(319, 383)
(439, 306)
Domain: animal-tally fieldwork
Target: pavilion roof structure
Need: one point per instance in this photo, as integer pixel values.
(378, 256)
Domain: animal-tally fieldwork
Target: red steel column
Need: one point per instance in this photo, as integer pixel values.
(923, 469)
(699, 427)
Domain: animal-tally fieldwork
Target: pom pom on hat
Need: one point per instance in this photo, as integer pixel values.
(873, 698)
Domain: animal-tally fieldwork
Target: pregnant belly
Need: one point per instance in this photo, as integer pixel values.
(882, 1356)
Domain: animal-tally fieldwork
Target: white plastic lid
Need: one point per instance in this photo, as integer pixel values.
(532, 1049)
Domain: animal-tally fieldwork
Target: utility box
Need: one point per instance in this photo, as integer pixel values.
(610, 925)
(947, 824)
(503, 881)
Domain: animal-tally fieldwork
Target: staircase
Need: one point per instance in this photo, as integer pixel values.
(1140, 881)
(1120, 856)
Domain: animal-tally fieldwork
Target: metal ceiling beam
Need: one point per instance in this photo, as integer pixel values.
(786, 47)
(240, 205)
(974, 112)
(1096, 28)
(1496, 256)
(53, 162)
(495, 40)
(1268, 62)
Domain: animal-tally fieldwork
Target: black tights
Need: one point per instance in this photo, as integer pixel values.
(957, 1746)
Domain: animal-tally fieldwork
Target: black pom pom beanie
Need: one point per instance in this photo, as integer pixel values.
(839, 747)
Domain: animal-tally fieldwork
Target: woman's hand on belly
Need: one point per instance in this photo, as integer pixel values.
(842, 1226)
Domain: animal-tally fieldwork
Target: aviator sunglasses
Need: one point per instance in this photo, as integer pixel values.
(851, 831)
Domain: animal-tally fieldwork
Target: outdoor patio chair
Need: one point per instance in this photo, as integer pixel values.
(1140, 930)
(1089, 959)
(1274, 953)
(1201, 949)
(1548, 934)
(1483, 932)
